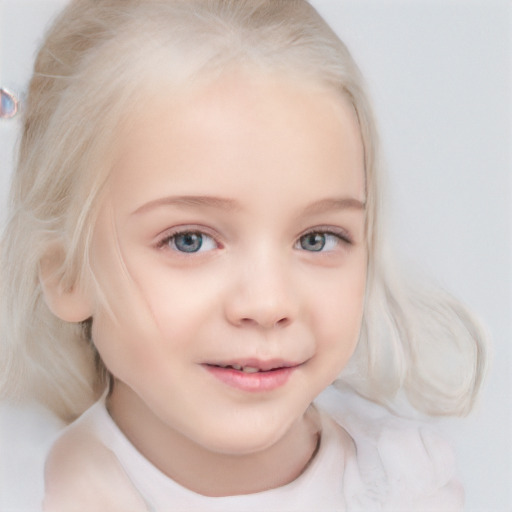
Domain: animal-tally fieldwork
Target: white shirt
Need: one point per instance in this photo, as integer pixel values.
(319, 487)
(368, 460)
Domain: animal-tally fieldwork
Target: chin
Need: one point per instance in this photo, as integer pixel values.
(248, 438)
(249, 445)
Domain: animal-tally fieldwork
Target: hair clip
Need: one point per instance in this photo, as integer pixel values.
(9, 104)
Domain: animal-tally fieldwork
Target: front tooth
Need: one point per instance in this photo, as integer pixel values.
(236, 367)
(250, 369)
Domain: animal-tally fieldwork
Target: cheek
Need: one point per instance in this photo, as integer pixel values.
(179, 307)
(127, 345)
(153, 320)
(339, 314)
(124, 329)
(137, 314)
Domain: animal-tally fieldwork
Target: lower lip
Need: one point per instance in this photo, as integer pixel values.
(252, 382)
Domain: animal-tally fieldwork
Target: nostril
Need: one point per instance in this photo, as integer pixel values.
(283, 322)
(247, 321)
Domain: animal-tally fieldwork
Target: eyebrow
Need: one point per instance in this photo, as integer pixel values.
(219, 203)
(229, 205)
(334, 204)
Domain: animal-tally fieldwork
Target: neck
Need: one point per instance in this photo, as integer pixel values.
(211, 473)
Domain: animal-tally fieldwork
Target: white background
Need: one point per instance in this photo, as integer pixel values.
(440, 74)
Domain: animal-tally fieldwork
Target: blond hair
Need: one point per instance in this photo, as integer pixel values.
(100, 62)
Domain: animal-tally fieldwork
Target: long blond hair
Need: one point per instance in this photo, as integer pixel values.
(100, 62)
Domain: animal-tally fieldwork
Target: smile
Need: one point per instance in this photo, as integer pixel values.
(245, 369)
(253, 376)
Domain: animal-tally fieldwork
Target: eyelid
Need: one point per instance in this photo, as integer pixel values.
(163, 239)
(338, 232)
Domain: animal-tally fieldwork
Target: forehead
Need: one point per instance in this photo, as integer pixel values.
(260, 130)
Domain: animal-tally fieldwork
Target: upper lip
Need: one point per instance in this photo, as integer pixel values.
(262, 365)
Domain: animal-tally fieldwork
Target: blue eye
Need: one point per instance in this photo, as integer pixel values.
(313, 242)
(190, 242)
(319, 241)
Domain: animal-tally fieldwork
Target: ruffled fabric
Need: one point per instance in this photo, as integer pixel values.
(402, 464)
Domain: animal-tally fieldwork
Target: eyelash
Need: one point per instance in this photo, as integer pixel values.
(166, 240)
(340, 235)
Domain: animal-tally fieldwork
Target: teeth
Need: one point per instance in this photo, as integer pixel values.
(245, 369)
(249, 369)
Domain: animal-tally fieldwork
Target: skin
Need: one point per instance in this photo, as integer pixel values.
(280, 161)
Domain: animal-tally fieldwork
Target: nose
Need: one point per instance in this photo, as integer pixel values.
(261, 295)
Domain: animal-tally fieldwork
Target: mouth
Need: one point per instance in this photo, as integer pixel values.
(255, 366)
(253, 375)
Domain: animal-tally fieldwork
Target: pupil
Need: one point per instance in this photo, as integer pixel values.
(189, 242)
(313, 242)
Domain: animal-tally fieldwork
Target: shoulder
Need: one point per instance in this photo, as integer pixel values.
(403, 464)
(82, 474)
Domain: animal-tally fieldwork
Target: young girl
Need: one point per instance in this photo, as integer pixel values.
(196, 238)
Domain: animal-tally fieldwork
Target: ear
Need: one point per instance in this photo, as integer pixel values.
(69, 304)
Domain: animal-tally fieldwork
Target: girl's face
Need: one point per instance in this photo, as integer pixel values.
(231, 259)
